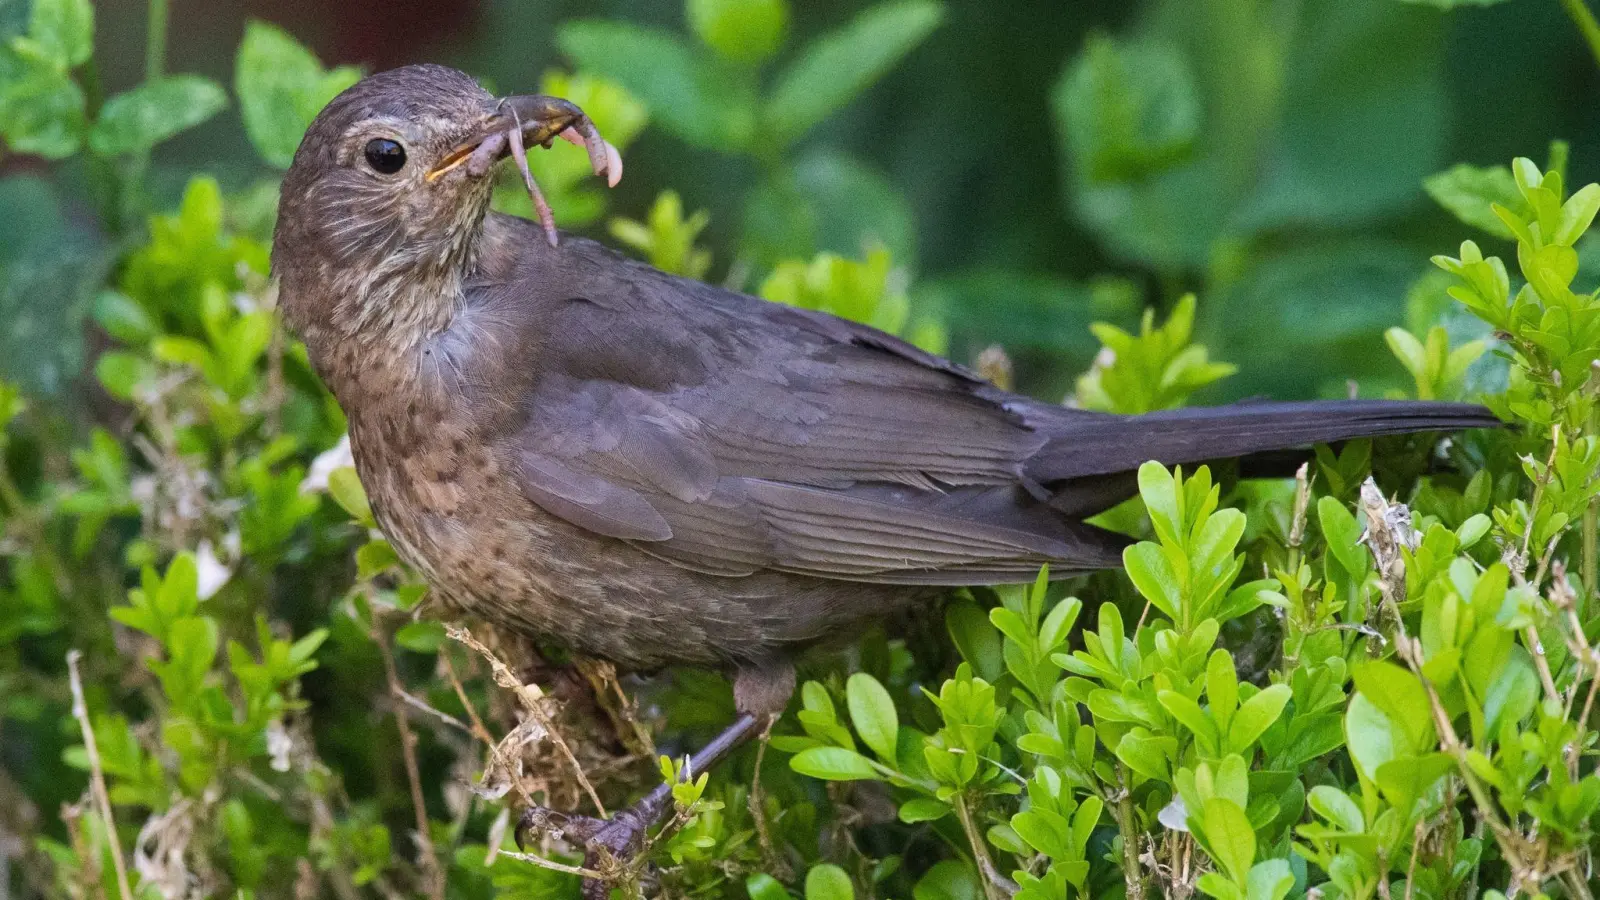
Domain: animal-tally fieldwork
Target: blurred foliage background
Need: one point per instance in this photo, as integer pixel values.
(1031, 166)
(1242, 196)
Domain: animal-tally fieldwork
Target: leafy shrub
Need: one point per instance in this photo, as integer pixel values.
(1377, 679)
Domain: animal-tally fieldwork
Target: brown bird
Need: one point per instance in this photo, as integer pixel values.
(656, 471)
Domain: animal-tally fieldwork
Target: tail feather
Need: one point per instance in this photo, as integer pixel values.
(1103, 445)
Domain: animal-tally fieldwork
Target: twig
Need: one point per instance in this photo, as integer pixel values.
(1122, 811)
(432, 873)
(552, 865)
(995, 885)
(1538, 494)
(1536, 650)
(530, 701)
(1411, 867)
(480, 731)
(421, 705)
(97, 778)
(1297, 519)
(461, 694)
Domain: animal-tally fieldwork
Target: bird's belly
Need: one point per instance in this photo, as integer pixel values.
(489, 551)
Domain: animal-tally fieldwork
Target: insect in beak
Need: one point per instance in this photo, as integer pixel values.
(527, 120)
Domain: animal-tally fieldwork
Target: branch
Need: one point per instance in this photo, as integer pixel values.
(530, 700)
(432, 873)
(97, 778)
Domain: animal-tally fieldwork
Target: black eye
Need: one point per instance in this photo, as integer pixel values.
(385, 156)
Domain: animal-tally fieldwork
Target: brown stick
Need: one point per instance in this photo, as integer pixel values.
(97, 777)
(530, 701)
(432, 873)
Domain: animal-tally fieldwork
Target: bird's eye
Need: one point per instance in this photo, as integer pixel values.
(385, 156)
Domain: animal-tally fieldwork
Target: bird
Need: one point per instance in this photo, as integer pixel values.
(655, 471)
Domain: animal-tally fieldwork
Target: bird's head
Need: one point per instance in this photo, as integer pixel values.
(385, 199)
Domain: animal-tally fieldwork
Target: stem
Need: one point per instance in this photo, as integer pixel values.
(1591, 540)
(1587, 26)
(1122, 811)
(1591, 515)
(995, 885)
(155, 40)
(433, 875)
(97, 778)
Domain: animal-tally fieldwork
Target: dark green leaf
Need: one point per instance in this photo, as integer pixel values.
(684, 90)
(837, 66)
(138, 119)
(421, 637)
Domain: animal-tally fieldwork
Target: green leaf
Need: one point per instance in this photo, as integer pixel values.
(1255, 716)
(841, 64)
(1127, 110)
(1270, 879)
(949, 879)
(923, 809)
(833, 764)
(1337, 807)
(136, 120)
(1401, 697)
(281, 86)
(1343, 533)
(345, 486)
(741, 31)
(828, 882)
(1189, 714)
(1468, 191)
(873, 714)
(1145, 753)
(63, 30)
(42, 113)
(421, 637)
(1231, 840)
(976, 638)
(1372, 737)
(685, 91)
(1217, 885)
(1512, 695)
(1405, 781)
(762, 886)
(1222, 688)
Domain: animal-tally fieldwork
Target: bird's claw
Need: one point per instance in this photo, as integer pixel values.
(611, 847)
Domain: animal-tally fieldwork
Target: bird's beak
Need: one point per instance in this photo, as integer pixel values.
(536, 119)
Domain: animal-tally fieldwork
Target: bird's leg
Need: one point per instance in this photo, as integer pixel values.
(610, 846)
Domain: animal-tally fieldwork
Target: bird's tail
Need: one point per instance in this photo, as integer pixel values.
(1083, 446)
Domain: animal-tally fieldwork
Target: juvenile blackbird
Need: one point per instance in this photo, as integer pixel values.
(657, 471)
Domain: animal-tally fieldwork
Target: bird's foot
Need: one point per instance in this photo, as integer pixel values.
(611, 847)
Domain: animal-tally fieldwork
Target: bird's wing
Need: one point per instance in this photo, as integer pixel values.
(729, 435)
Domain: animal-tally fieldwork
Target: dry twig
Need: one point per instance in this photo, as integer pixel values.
(97, 778)
(530, 698)
(433, 874)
